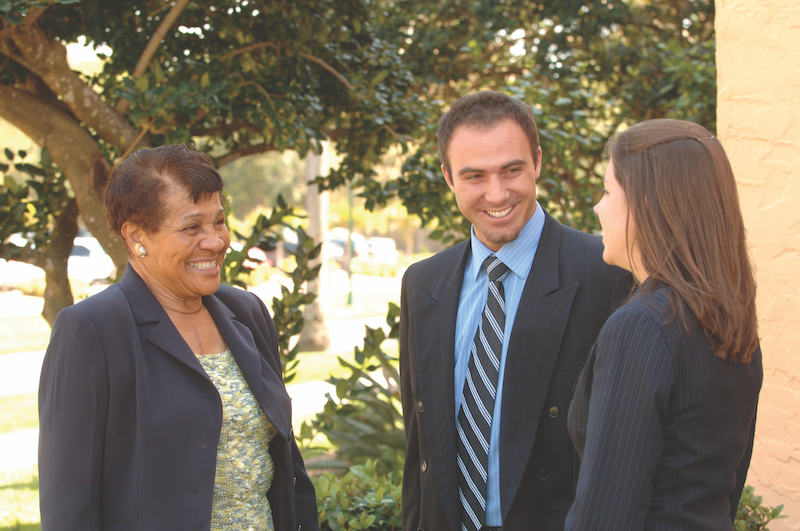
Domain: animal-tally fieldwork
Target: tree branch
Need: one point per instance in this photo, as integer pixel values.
(244, 152)
(33, 15)
(150, 50)
(47, 58)
(327, 67)
(304, 55)
(73, 149)
(250, 48)
(224, 129)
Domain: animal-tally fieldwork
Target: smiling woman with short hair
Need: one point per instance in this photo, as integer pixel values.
(161, 401)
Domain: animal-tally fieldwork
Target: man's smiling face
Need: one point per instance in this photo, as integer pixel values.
(494, 179)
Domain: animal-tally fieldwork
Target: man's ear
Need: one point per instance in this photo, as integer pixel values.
(538, 163)
(447, 178)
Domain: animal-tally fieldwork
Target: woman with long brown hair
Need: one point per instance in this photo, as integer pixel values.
(664, 410)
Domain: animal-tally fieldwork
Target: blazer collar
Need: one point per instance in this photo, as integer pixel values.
(545, 265)
(265, 385)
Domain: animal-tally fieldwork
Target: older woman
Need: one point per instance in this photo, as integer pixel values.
(161, 400)
(664, 410)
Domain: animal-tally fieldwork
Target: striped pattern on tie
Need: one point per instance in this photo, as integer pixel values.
(475, 418)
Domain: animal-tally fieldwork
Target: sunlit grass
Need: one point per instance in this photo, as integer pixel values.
(22, 333)
(19, 412)
(19, 500)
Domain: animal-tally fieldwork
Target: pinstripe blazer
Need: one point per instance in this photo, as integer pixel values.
(569, 294)
(664, 428)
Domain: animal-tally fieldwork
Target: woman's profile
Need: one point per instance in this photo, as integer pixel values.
(664, 411)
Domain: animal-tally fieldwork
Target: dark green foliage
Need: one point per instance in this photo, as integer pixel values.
(30, 208)
(287, 310)
(361, 499)
(586, 67)
(752, 516)
(364, 421)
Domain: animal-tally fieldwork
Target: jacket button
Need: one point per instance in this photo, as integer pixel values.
(543, 473)
(424, 466)
(419, 406)
(554, 412)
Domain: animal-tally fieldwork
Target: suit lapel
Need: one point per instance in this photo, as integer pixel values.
(434, 323)
(535, 342)
(161, 332)
(266, 386)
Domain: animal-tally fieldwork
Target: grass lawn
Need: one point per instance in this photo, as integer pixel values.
(22, 333)
(19, 500)
(18, 412)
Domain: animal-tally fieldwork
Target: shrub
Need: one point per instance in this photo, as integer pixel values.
(361, 499)
(752, 516)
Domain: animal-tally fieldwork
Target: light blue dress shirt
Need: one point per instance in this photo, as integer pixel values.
(518, 256)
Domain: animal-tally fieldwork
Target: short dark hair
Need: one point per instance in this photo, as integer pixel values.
(684, 205)
(485, 109)
(137, 184)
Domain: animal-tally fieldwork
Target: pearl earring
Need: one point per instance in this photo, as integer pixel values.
(140, 250)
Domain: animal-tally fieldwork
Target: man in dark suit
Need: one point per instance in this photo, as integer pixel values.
(517, 473)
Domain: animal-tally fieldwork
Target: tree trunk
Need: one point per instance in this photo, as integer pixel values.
(57, 291)
(47, 58)
(315, 335)
(74, 151)
(77, 154)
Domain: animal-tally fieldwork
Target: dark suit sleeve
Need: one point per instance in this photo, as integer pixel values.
(631, 377)
(741, 472)
(305, 499)
(73, 406)
(411, 489)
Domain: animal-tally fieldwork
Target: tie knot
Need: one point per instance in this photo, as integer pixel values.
(497, 270)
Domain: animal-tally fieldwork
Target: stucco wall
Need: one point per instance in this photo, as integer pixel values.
(758, 61)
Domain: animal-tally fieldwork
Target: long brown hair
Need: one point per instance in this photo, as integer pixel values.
(683, 201)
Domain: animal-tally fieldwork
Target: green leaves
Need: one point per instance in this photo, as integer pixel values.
(364, 422)
(751, 515)
(30, 208)
(363, 498)
(288, 309)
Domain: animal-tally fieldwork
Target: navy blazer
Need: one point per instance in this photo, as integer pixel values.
(663, 426)
(569, 294)
(130, 421)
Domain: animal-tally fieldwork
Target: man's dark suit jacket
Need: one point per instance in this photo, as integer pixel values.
(130, 421)
(663, 426)
(569, 294)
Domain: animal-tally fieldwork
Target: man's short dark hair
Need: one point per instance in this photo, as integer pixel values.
(484, 110)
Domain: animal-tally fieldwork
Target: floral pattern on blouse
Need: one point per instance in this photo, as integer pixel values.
(244, 466)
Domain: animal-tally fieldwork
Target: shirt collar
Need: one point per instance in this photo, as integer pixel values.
(515, 254)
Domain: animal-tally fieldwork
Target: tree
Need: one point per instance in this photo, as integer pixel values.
(588, 67)
(235, 77)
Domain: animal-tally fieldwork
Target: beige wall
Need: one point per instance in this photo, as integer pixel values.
(758, 76)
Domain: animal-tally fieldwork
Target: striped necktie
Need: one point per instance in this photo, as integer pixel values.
(477, 406)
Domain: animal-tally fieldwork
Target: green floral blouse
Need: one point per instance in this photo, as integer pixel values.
(244, 466)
